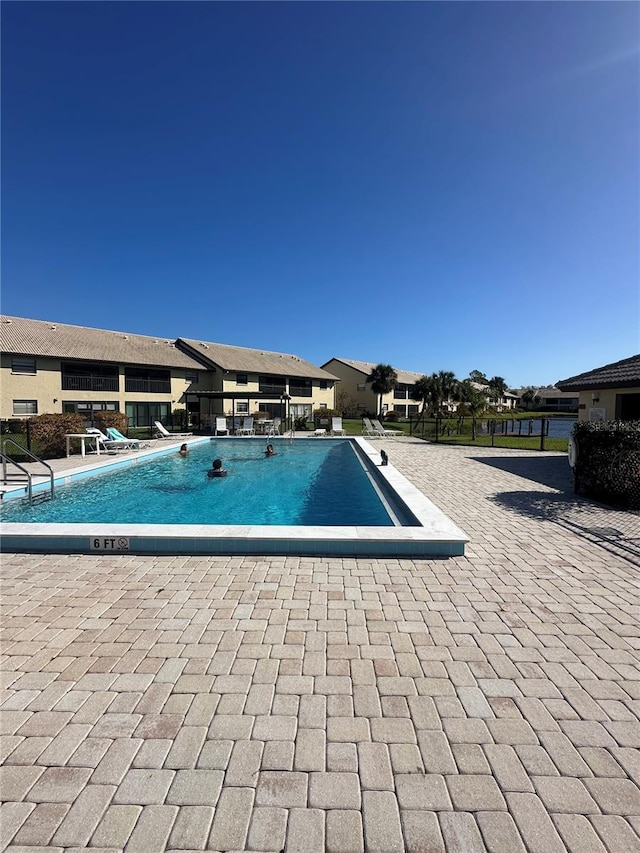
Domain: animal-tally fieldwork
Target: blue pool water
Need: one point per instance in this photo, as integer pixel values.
(307, 483)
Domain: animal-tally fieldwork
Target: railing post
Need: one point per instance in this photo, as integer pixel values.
(542, 425)
(28, 436)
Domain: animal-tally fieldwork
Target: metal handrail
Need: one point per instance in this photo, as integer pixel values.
(29, 475)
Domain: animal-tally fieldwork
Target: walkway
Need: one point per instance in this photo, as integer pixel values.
(482, 703)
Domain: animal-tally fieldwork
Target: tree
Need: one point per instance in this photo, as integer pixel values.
(423, 392)
(433, 391)
(383, 379)
(477, 376)
(497, 388)
(529, 397)
(475, 401)
(446, 387)
(346, 405)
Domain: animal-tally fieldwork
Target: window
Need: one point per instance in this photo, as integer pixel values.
(144, 414)
(628, 407)
(192, 378)
(87, 410)
(362, 386)
(242, 379)
(25, 366)
(25, 407)
(323, 384)
(300, 388)
(274, 385)
(242, 408)
(322, 406)
(301, 410)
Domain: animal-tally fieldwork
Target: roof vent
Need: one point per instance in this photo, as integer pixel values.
(53, 328)
(203, 345)
(8, 322)
(125, 337)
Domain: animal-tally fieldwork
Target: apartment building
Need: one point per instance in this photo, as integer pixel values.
(353, 380)
(51, 367)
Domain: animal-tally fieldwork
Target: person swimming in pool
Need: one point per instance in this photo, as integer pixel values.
(269, 451)
(184, 450)
(216, 469)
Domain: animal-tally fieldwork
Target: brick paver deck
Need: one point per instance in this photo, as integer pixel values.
(484, 703)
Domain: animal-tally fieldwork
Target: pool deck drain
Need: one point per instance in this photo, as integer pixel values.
(434, 534)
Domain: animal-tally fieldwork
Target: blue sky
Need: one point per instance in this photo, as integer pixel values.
(433, 185)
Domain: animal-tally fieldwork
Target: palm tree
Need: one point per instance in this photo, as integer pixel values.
(498, 383)
(383, 379)
(497, 388)
(474, 400)
(424, 391)
(529, 397)
(446, 384)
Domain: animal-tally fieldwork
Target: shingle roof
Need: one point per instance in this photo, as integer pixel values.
(620, 374)
(248, 360)
(406, 377)
(20, 336)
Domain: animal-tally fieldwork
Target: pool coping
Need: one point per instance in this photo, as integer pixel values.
(435, 535)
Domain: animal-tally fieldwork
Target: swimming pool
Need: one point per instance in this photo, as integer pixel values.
(404, 521)
(306, 483)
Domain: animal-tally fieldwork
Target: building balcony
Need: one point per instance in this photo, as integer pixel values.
(90, 383)
(147, 386)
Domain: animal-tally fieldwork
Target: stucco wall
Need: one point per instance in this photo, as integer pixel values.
(596, 401)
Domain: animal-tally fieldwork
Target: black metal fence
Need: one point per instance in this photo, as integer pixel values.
(444, 429)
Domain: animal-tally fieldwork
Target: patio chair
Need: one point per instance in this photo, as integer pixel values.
(221, 426)
(336, 427)
(274, 427)
(367, 428)
(114, 434)
(163, 432)
(110, 444)
(246, 428)
(380, 430)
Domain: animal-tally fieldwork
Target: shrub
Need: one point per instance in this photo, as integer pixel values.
(260, 415)
(47, 433)
(179, 419)
(608, 461)
(324, 414)
(300, 423)
(392, 416)
(106, 419)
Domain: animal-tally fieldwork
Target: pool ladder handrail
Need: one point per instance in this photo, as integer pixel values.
(29, 476)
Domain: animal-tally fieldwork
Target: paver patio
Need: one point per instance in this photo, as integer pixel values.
(481, 703)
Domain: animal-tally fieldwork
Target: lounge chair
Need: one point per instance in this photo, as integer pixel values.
(336, 427)
(110, 444)
(163, 432)
(367, 428)
(318, 433)
(246, 428)
(221, 426)
(380, 430)
(114, 434)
